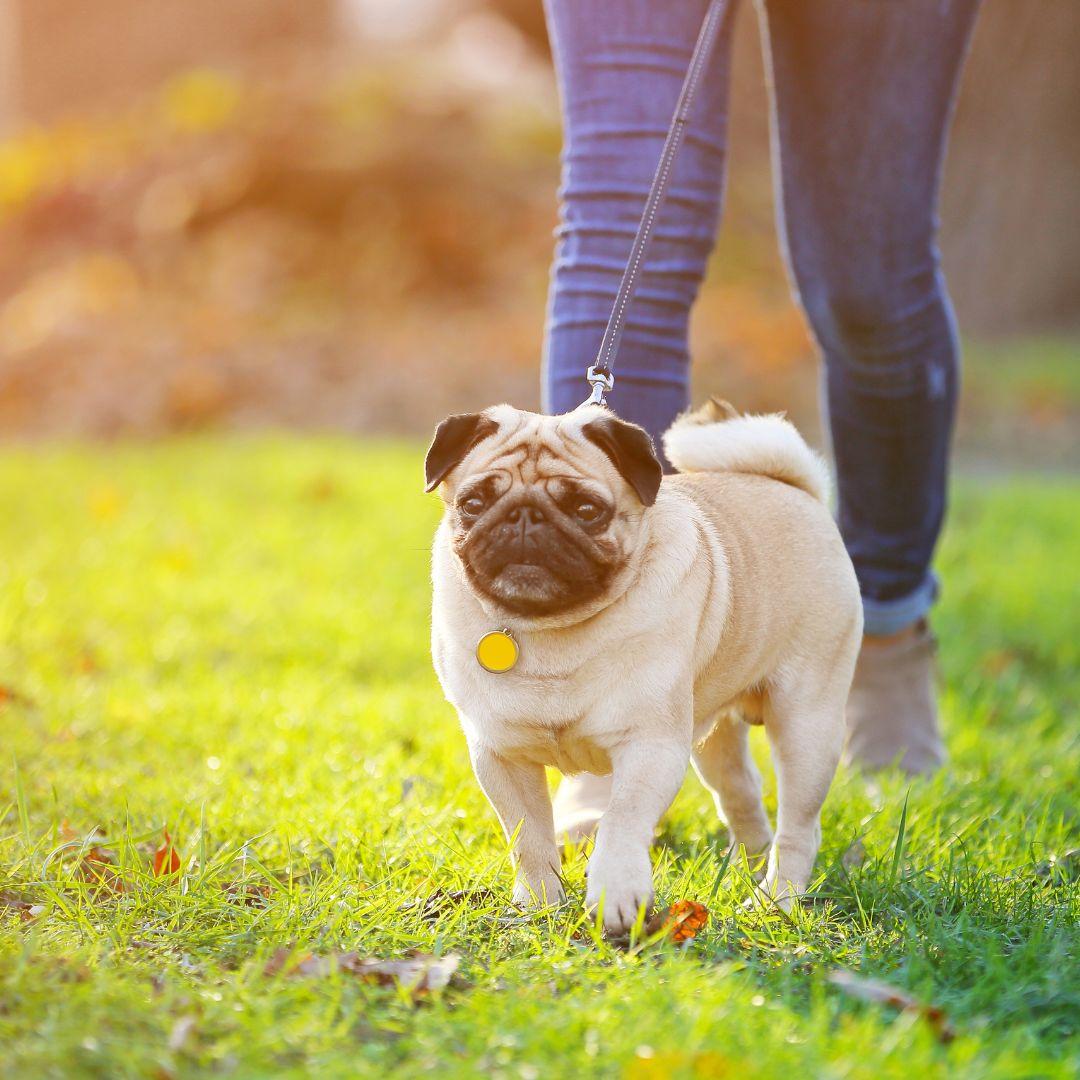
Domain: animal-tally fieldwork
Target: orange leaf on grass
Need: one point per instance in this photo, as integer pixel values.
(98, 867)
(96, 864)
(683, 921)
(166, 860)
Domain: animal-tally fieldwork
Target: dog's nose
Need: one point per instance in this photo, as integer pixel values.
(530, 515)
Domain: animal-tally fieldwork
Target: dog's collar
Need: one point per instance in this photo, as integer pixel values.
(497, 651)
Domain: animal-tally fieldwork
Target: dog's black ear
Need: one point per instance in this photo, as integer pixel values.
(631, 452)
(454, 438)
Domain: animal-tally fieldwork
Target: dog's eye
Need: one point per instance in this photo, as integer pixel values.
(586, 510)
(472, 506)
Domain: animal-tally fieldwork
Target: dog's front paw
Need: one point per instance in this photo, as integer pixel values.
(539, 893)
(769, 895)
(619, 884)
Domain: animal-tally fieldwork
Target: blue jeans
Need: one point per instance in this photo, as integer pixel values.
(861, 92)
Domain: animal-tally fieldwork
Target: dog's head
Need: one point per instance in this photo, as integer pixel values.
(544, 511)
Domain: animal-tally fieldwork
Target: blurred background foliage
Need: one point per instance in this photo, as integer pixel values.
(338, 213)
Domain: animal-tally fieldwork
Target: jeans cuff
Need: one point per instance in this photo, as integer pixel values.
(882, 617)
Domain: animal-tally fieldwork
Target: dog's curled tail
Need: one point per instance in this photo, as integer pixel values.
(716, 438)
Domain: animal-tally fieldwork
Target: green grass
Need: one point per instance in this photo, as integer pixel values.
(1009, 373)
(229, 638)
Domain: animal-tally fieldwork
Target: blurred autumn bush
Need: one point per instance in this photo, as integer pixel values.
(317, 247)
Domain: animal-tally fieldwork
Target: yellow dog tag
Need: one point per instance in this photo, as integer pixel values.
(497, 651)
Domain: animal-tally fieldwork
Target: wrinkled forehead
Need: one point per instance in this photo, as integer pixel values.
(532, 447)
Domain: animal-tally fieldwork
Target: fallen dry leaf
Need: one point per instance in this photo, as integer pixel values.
(249, 893)
(284, 959)
(166, 860)
(883, 993)
(98, 867)
(435, 904)
(26, 911)
(95, 864)
(419, 973)
(683, 921)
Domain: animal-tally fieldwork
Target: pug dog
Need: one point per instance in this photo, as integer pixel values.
(643, 622)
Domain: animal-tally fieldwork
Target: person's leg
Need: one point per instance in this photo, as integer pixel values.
(620, 65)
(862, 96)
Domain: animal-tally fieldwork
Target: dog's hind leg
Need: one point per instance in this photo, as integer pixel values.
(806, 733)
(727, 769)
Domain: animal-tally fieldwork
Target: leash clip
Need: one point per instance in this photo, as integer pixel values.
(601, 383)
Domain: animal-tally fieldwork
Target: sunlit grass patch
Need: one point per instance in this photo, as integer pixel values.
(228, 639)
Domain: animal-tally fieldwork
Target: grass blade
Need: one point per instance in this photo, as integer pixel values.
(898, 847)
(24, 815)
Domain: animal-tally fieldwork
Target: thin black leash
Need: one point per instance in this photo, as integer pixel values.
(601, 376)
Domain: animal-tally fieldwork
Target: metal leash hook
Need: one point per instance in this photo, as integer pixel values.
(600, 376)
(601, 383)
